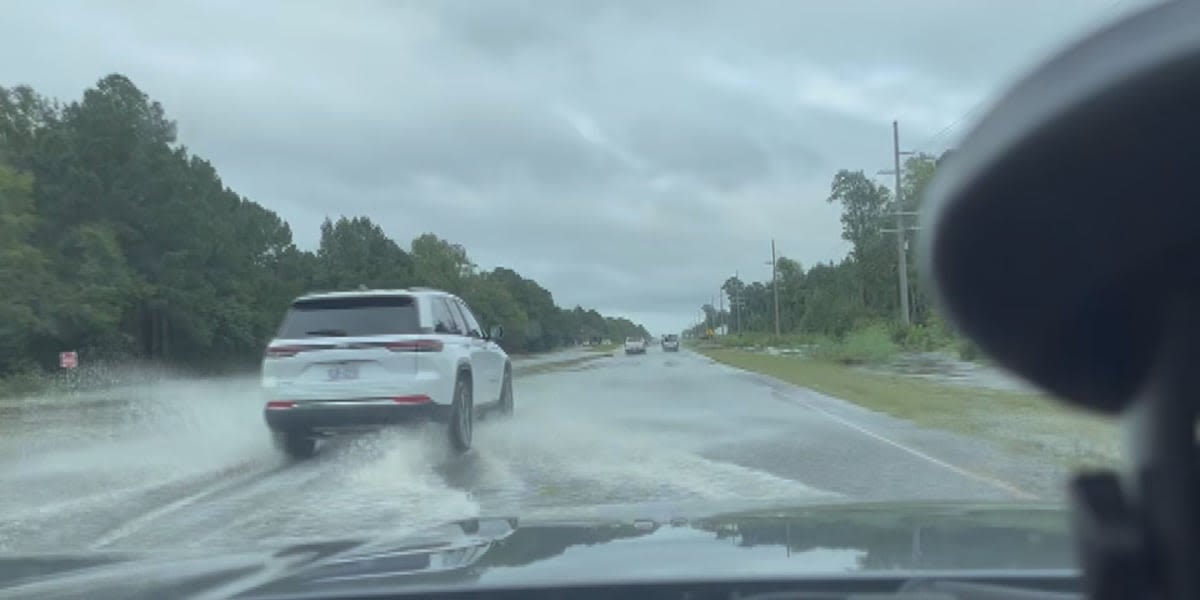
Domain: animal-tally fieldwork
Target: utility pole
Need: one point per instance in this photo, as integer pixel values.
(737, 310)
(721, 299)
(736, 300)
(712, 320)
(901, 246)
(775, 287)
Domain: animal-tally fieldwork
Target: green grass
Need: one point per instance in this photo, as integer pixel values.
(760, 339)
(1022, 422)
(23, 383)
(870, 344)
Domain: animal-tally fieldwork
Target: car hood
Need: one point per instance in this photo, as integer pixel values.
(505, 552)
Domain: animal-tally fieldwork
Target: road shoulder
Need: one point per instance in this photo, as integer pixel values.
(1040, 439)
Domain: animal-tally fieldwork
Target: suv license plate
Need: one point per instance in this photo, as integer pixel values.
(343, 372)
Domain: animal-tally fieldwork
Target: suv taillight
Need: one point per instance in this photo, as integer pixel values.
(423, 345)
(283, 351)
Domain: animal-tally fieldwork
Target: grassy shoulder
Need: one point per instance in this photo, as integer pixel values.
(22, 383)
(1026, 423)
(866, 344)
(558, 365)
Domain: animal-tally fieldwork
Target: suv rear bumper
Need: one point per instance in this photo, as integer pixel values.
(366, 413)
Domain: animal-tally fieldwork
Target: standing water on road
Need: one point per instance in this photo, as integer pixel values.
(188, 462)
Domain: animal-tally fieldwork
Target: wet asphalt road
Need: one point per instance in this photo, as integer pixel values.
(179, 463)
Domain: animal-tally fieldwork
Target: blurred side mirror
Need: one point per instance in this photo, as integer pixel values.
(496, 333)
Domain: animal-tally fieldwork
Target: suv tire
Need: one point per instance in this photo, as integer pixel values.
(461, 426)
(296, 445)
(506, 394)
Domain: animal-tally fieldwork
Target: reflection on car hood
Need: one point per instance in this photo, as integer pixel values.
(797, 542)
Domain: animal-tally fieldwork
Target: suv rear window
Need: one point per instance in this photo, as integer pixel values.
(350, 316)
(670, 337)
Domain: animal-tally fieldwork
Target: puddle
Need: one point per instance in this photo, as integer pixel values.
(935, 366)
(944, 368)
(797, 351)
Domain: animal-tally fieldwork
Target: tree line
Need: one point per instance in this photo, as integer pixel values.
(862, 289)
(117, 242)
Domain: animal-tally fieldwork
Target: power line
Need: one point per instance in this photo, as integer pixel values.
(950, 127)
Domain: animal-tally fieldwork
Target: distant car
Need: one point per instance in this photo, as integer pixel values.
(670, 343)
(635, 345)
(358, 360)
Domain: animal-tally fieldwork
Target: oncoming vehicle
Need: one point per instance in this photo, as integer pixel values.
(347, 361)
(635, 345)
(670, 343)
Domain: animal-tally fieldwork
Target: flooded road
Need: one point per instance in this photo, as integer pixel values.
(189, 462)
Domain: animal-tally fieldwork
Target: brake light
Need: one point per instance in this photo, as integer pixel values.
(418, 399)
(280, 404)
(283, 351)
(421, 345)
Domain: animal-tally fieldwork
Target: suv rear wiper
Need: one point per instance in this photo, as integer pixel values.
(327, 332)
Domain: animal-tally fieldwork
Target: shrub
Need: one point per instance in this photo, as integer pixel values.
(968, 350)
(870, 344)
(22, 383)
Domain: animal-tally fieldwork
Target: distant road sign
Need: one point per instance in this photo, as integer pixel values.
(68, 360)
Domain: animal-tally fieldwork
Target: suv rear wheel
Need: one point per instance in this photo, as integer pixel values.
(462, 415)
(295, 445)
(506, 394)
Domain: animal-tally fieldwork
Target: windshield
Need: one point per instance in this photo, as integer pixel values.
(197, 200)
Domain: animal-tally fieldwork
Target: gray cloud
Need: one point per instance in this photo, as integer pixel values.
(627, 154)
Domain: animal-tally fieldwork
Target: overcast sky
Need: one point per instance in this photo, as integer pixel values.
(628, 155)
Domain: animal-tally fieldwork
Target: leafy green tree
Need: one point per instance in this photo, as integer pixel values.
(356, 252)
(440, 264)
(792, 292)
(835, 298)
(24, 270)
(864, 204)
(116, 241)
(494, 304)
(23, 116)
(917, 173)
(543, 329)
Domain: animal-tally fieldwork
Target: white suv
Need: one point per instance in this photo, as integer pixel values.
(635, 345)
(360, 360)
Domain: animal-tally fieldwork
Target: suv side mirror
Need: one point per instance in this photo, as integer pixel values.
(496, 333)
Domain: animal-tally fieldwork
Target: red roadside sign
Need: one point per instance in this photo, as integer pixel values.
(68, 360)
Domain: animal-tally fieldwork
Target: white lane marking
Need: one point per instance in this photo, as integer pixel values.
(1004, 485)
(134, 525)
